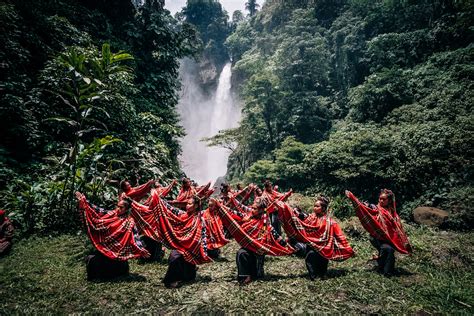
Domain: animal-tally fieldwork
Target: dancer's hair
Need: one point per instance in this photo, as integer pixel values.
(122, 184)
(324, 201)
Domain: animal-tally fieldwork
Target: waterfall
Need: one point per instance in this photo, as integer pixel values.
(203, 116)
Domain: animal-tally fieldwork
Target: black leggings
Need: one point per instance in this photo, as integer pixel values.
(179, 269)
(316, 264)
(386, 260)
(249, 264)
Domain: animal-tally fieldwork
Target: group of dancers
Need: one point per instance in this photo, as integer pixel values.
(198, 222)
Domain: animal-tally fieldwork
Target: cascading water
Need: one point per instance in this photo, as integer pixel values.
(204, 116)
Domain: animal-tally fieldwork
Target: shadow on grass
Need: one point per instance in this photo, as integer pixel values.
(202, 279)
(275, 277)
(332, 273)
(199, 280)
(335, 273)
(398, 272)
(132, 277)
(221, 259)
(162, 261)
(402, 272)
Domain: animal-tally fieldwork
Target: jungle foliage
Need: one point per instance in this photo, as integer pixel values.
(211, 23)
(89, 90)
(358, 95)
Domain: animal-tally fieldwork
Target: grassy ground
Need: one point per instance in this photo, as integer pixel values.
(47, 275)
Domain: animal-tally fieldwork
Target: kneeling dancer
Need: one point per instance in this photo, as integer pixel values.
(114, 234)
(252, 229)
(384, 226)
(317, 237)
(190, 234)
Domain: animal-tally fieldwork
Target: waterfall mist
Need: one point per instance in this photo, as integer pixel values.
(203, 116)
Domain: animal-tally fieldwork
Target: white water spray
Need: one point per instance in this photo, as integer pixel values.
(204, 116)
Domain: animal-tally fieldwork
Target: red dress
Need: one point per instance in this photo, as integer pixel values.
(383, 225)
(113, 235)
(255, 234)
(321, 233)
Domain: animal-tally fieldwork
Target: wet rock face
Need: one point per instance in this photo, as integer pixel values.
(430, 216)
(209, 74)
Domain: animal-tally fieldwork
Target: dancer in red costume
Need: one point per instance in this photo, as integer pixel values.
(317, 237)
(137, 194)
(254, 233)
(384, 225)
(271, 196)
(113, 233)
(193, 235)
(186, 193)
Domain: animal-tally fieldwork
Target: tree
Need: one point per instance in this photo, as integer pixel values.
(261, 99)
(229, 139)
(85, 82)
(211, 22)
(251, 6)
(237, 17)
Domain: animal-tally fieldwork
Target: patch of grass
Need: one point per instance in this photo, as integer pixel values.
(47, 275)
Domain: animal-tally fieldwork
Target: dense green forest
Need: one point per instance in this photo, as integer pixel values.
(336, 95)
(88, 97)
(347, 94)
(358, 95)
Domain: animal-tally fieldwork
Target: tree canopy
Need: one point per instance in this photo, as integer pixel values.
(367, 94)
(89, 94)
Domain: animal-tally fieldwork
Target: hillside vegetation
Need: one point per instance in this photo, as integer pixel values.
(88, 98)
(358, 95)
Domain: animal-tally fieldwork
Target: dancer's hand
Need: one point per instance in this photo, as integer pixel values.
(246, 218)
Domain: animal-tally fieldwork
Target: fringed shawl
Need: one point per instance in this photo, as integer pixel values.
(322, 234)
(113, 235)
(254, 234)
(382, 224)
(192, 234)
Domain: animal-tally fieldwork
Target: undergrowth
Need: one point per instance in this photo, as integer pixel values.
(47, 275)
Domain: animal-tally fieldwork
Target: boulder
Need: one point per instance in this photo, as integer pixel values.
(208, 75)
(430, 216)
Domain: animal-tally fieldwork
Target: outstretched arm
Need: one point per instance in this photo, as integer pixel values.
(82, 199)
(165, 191)
(273, 206)
(248, 191)
(137, 193)
(202, 191)
(361, 207)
